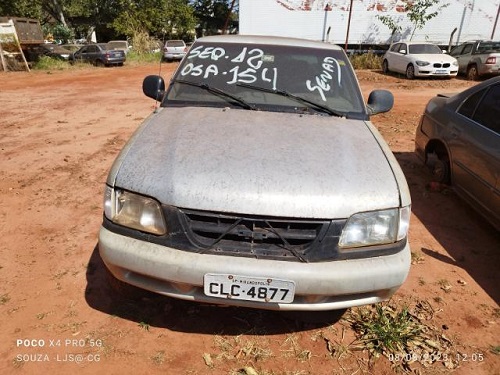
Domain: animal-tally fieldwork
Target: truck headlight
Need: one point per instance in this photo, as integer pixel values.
(134, 211)
(375, 228)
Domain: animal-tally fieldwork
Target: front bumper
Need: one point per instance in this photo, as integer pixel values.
(112, 61)
(173, 56)
(319, 286)
(435, 72)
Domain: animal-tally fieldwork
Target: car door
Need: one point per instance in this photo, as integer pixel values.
(84, 53)
(79, 54)
(463, 55)
(400, 60)
(475, 149)
(92, 53)
(390, 56)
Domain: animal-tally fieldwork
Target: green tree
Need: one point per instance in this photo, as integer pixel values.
(21, 8)
(171, 18)
(211, 15)
(43, 10)
(50, 13)
(110, 19)
(419, 12)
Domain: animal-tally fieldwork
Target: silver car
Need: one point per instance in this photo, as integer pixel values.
(271, 189)
(174, 50)
(459, 137)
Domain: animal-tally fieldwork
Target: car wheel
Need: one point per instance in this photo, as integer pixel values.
(441, 170)
(410, 71)
(98, 63)
(472, 74)
(385, 67)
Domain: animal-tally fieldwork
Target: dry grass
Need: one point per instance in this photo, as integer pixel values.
(402, 335)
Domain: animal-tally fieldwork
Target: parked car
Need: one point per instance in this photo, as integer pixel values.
(34, 52)
(271, 189)
(478, 58)
(174, 50)
(119, 45)
(459, 135)
(415, 59)
(98, 54)
(155, 45)
(72, 47)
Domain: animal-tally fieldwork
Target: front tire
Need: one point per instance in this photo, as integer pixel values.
(385, 67)
(410, 71)
(441, 170)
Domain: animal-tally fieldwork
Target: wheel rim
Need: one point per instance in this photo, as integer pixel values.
(441, 171)
(472, 73)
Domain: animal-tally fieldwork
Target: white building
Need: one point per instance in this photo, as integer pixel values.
(471, 19)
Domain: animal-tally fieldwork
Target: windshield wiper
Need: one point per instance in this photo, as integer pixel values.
(214, 90)
(317, 106)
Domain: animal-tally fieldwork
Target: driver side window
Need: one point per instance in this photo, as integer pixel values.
(488, 111)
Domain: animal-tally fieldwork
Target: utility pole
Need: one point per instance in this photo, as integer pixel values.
(328, 8)
(495, 25)
(348, 27)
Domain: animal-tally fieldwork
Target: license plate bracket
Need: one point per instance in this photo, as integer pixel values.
(257, 289)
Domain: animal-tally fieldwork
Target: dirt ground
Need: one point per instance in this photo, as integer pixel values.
(59, 134)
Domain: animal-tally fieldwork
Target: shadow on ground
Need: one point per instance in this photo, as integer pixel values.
(470, 241)
(191, 317)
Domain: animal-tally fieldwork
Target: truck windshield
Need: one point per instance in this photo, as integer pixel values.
(260, 74)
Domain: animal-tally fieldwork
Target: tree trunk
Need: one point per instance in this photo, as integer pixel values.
(54, 8)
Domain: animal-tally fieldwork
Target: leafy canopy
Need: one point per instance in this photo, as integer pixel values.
(125, 18)
(419, 12)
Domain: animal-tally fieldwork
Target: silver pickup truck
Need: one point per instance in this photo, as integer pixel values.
(478, 58)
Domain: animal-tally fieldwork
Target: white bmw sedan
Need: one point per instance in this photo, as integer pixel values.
(419, 60)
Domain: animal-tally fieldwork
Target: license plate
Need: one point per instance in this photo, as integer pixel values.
(248, 288)
(441, 71)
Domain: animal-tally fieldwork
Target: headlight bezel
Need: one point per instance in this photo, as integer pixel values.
(135, 211)
(422, 63)
(374, 228)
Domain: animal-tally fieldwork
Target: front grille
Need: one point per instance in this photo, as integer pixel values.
(439, 65)
(259, 237)
(262, 237)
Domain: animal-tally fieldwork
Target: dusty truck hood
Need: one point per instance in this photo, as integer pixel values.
(262, 163)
